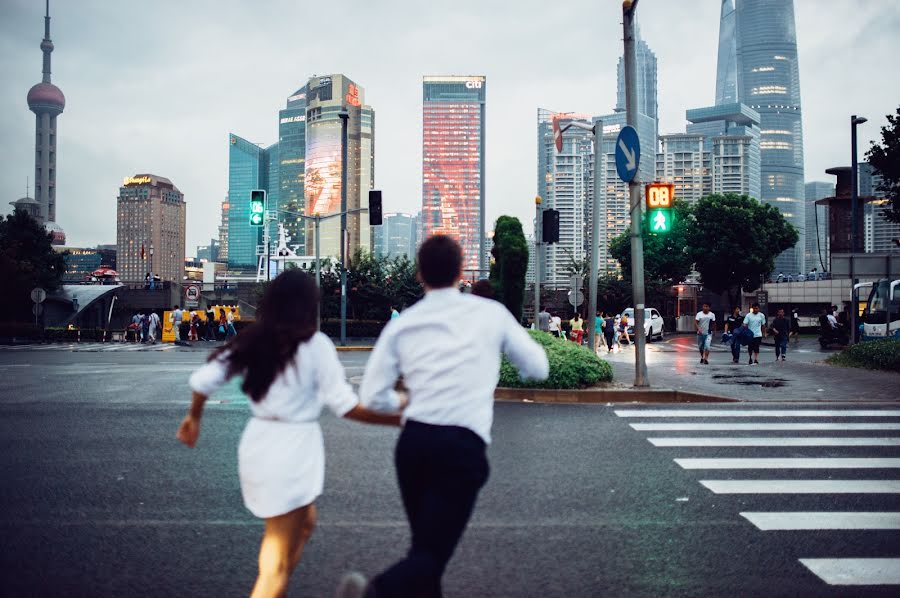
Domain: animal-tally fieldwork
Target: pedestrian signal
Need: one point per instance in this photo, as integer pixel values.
(257, 207)
(659, 195)
(550, 229)
(659, 220)
(374, 208)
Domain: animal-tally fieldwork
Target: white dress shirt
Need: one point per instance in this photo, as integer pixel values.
(447, 347)
(312, 379)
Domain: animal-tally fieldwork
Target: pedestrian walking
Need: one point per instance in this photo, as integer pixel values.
(623, 328)
(544, 320)
(598, 331)
(705, 323)
(394, 313)
(577, 327)
(223, 324)
(230, 316)
(609, 331)
(195, 326)
(556, 326)
(756, 323)
(440, 455)
(290, 372)
(732, 323)
(795, 326)
(175, 319)
(155, 327)
(210, 323)
(145, 328)
(781, 330)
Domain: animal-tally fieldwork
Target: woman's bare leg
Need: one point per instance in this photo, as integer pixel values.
(281, 548)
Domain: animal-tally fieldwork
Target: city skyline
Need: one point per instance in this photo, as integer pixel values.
(110, 122)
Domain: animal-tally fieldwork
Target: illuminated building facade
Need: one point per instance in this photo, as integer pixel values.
(47, 102)
(292, 165)
(326, 97)
(249, 168)
(150, 225)
(453, 112)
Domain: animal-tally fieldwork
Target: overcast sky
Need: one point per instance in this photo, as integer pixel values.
(157, 86)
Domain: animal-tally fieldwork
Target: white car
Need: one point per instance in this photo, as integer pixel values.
(653, 323)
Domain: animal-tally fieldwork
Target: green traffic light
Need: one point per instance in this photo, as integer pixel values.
(660, 220)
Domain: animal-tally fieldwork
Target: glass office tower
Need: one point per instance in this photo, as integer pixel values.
(249, 168)
(453, 163)
(768, 81)
(292, 165)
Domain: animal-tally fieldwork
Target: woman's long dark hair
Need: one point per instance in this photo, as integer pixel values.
(285, 318)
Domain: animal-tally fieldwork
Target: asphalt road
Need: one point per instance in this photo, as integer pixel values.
(98, 498)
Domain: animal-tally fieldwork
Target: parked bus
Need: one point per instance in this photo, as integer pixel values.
(882, 312)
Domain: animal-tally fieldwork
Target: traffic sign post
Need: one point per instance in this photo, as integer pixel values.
(38, 295)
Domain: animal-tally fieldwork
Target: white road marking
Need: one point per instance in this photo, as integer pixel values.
(757, 413)
(803, 486)
(822, 520)
(823, 463)
(691, 427)
(775, 441)
(855, 572)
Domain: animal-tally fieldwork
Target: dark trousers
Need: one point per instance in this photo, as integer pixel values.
(440, 470)
(735, 349)
(609, 339)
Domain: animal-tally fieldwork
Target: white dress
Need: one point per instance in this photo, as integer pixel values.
(281, 456)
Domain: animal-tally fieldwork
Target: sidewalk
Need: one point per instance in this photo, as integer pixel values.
(674, 364)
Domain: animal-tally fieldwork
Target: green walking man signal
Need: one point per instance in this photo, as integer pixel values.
(660, 198)
(257, 207)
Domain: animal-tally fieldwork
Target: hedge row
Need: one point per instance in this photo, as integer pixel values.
(873, 355)
(571, 366)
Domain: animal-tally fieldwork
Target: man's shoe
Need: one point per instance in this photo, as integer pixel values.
(782, 358)
(352, 585)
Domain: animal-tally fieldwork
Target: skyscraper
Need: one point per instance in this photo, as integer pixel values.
(47, 102)
(767, 79)
(326, 97)
(249, 167)
(453, 110)
(150, 228)
(646, 87)
(880, 234)
(292, 165)
(396, 236)
(223, 232)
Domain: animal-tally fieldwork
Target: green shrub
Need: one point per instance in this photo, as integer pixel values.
(571, 366)
(874, 355)
(355, 328)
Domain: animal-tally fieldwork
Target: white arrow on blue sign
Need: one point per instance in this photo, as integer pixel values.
(628, 153)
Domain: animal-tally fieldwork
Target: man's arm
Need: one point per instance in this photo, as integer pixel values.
(528, 356)
(382, 370)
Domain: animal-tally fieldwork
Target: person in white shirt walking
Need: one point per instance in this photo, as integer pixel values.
(705, 323)
(756, 322)
(175, 319)
(447, 348)
(289, 371)
(155, 327)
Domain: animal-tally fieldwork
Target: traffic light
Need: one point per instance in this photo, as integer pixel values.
(257, 207)
(660, 199)
(374, 208)
(550, 230)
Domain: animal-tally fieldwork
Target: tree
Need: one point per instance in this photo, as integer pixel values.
(666, 257)
(27, 260)
(734, 241)
(510, 253)
(885, 159)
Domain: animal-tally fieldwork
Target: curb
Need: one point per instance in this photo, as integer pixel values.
(353, 349)
(605, 395)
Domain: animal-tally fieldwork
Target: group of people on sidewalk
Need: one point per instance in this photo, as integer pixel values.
(746, 330)
(210, 328)
(609, 326)
(290, 372)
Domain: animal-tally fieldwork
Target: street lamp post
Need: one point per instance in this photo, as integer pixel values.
(854, 208)
(537, 261)
(344, 116)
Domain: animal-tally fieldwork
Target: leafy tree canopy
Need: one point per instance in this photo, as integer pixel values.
(510, 253)
(735, 239)
(27, 260)
(885, 159)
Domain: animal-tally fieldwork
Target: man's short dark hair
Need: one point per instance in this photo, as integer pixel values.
(754, 305)
(705, 304)
(439, 261)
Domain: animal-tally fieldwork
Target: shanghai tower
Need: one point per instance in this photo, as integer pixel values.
(47, 102)
(758, 55)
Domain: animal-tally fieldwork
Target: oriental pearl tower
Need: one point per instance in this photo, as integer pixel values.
(47, 102)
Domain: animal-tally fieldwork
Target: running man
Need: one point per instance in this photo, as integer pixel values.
(705, 323)
(451, 372)
(756, 323)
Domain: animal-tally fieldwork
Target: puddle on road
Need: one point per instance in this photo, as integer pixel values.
(746, 380)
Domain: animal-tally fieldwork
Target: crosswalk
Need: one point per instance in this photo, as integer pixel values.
(89, 347)
(796, 458)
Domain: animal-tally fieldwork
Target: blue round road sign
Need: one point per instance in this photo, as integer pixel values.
(628, 153)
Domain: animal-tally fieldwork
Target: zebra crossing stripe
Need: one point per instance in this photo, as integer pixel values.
(735, 427)
(822, 521)
(855, 572)
(814, 463)
(803, 486)
(774, 441)
(757, 413)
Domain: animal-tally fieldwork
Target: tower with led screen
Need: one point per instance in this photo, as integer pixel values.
(326, 97)
(47, 102)
(453, 129)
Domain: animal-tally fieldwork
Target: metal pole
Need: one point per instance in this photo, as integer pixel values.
(854, 200)
(537, 260)
(344, 116)
(595, 238)
(637, 243)
(318, 219)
